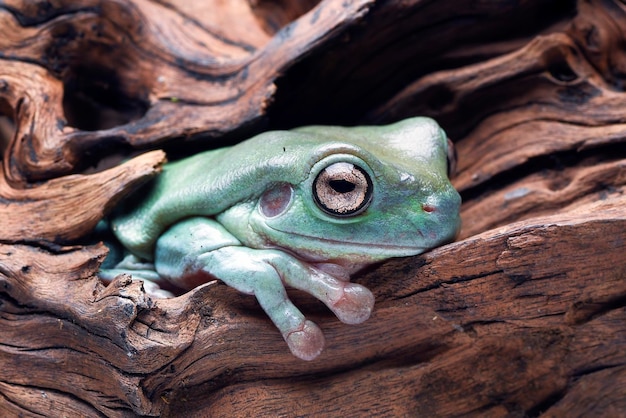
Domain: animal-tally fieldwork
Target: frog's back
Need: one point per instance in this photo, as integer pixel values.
(208, 183)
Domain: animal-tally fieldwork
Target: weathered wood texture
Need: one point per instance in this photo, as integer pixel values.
(525, 315)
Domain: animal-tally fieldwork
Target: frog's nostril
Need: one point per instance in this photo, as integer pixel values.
(428, 208)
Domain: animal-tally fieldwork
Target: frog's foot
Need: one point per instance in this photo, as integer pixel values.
(306, 342)
(304, 338)
(256, 274)
(354, 305)
(350, 302)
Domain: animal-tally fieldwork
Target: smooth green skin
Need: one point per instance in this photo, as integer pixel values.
(200, 219)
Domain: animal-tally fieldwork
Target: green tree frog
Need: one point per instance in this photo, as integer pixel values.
(303, 208)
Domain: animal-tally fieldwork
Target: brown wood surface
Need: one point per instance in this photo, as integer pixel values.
(524, 315)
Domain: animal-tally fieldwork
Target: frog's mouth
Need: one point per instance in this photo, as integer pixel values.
(319, 248)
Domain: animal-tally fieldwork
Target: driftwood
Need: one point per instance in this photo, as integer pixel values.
(524, 315)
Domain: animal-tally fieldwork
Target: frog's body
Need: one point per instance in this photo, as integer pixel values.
(303, 208)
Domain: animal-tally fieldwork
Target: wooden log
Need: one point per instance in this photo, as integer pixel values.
(174, 73)
(522, 315)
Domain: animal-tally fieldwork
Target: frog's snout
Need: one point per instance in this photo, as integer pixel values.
(440, 216)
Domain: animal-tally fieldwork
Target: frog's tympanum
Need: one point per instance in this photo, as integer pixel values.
(302, 208)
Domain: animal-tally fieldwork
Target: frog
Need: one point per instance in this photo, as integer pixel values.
(304, 208)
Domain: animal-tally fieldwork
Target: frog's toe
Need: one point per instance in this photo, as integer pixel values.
(307, 342)
(355, 305)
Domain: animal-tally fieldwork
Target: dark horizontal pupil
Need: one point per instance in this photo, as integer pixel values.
(342, 186)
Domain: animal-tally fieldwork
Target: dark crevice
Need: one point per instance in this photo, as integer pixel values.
(470, 326)
(595, 369)
(45, 349)
(46, 12)
(588, 311)
(274, 15)
(554, 398)
(546, 403)
(5, 297)
(560, 70)
(556, 161)
(406, 59)
(411, 356)
(7, 123)
(95, 99)
(450, 282)
(48, 246)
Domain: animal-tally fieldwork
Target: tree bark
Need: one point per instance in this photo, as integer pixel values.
(524, 315)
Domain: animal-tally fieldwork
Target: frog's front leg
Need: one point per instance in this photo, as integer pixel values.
(203, 245)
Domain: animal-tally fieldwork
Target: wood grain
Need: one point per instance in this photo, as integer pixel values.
(523, 315)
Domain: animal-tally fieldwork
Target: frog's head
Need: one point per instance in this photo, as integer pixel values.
(365, 194)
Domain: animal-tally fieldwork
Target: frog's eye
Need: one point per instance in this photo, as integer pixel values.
(451, 159)
(342, 189)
